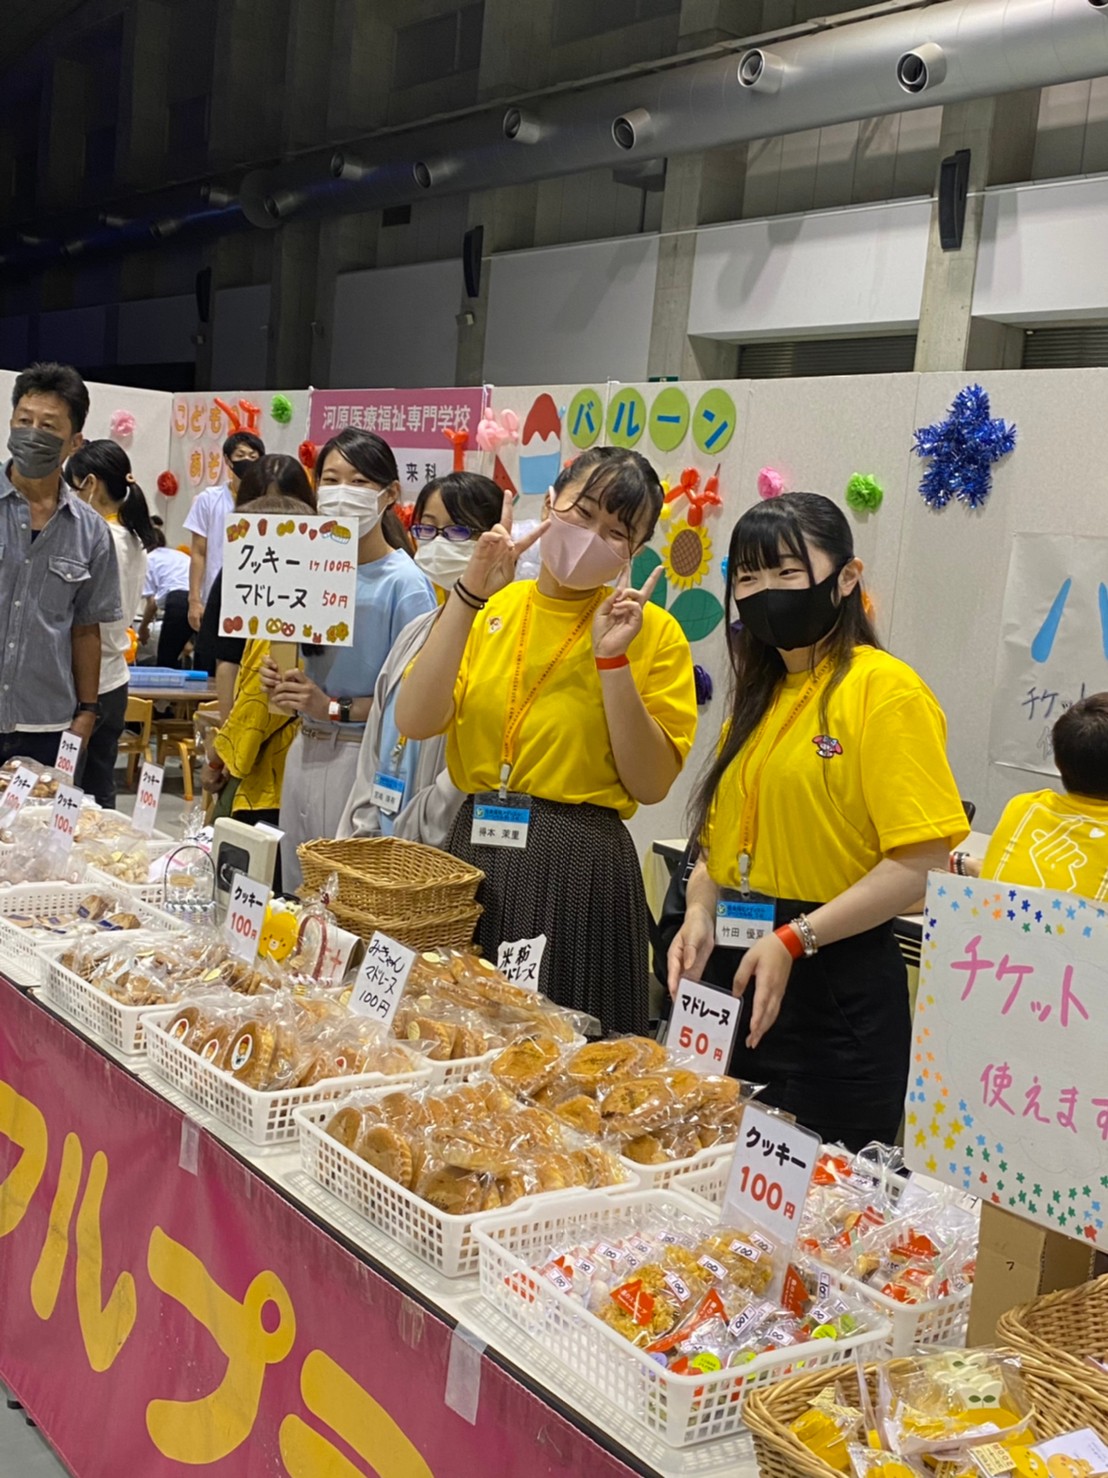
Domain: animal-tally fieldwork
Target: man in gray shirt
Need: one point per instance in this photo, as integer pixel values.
(58, 574)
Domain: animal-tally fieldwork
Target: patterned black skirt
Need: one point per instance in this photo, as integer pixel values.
(579, 883)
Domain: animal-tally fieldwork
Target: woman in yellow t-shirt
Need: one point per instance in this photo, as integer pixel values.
(566, 703)
(827, 804)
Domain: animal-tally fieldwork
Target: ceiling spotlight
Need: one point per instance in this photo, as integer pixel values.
(633, 128)
(925, 67)
(521, 128)
(761, 71)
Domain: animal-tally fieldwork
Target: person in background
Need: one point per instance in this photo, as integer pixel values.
(1047, 840)
(252, 744)
(573, 696)
(404, 789)
(356, 482)
(166, 593)
(829, 800)
(58, 576)
(207, 520)
(100, 472)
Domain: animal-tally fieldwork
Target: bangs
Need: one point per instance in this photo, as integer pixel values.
(624, 492)
(762, 533)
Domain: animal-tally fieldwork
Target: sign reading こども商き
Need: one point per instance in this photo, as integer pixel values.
(290, 578)
(1007, 1089)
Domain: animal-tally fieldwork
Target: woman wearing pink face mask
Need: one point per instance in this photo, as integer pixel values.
(567, 701)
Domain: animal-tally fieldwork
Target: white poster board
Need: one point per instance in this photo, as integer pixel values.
(290, 579)
(1054, 643)
(1007, 1093)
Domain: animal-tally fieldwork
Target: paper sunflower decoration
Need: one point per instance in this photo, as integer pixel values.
(697, 612)
(687, 555)
(962, 450)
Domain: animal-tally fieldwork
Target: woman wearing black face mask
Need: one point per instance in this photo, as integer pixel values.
(829, 800)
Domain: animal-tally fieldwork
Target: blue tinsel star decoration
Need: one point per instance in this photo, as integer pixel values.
(962, 450)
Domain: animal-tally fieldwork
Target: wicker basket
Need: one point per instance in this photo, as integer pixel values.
(445, 931)
(779, 1454)
(1062, 1329)
(386, 878)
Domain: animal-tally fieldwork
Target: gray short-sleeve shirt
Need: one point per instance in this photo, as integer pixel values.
(66, 576)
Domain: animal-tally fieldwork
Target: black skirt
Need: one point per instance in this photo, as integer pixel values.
(837, 1056)
(578, 882)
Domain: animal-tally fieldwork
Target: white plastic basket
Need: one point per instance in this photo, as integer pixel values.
(461, 1068)
(714, 1162)
(444, 1241)
(680, 1409)
(938, 1321)
(118, 1025)
(26, 951)
(262, 1118)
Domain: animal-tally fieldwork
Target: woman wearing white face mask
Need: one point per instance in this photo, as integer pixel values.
(404, 788)
(566, 704)
(356, 482)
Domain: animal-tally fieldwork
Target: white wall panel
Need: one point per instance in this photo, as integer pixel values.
(394, 326)
(1043, 252)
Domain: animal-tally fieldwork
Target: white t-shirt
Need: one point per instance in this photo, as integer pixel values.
(114, 635)
(208, 518)
(166, 570)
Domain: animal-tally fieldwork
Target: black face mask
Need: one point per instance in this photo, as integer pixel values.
(787, 619)
(241, 468)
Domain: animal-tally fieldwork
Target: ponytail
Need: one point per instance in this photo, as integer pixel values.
(109, 463)
(395, 533)
(134, 515)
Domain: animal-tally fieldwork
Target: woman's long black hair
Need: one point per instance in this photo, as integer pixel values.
(106, 460)
(471, 500)
(374, 458)
(796, 523)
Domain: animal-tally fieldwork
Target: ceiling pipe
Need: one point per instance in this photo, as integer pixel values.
(889, 63)
(844, 69)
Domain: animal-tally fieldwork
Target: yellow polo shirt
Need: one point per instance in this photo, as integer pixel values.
(563, 751)
(834, 796)
(1047, 840)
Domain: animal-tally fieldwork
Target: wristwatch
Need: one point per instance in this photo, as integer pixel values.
(338, 710)
(89, 708)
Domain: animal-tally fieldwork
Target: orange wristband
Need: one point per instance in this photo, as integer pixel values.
(791, 940)
(609, 664)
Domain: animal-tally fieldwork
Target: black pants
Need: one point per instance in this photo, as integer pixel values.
(176, 633)
(98, 780)
(42, 748)
(837, 1056)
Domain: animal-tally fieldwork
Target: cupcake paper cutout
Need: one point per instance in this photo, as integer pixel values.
(540, 450)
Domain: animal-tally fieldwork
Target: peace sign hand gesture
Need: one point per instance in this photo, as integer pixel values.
(492, 565)
(619, 620)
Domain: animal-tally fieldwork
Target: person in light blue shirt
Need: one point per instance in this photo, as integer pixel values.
(357, 482)
(402, 787)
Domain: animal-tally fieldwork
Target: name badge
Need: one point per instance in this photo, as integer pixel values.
(500, 822)
(387, 793)
(741, 922)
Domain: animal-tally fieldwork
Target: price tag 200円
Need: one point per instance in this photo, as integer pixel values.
(704, 1023)
(245, 916)
(69, 752)
(382, 979)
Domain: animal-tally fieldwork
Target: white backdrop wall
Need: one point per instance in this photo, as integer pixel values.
(571, 312)
(394, 326)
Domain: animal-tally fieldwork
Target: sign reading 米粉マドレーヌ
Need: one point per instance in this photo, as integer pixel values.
(1008, 1089)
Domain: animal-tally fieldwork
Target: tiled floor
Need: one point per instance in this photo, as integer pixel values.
(23, 1452)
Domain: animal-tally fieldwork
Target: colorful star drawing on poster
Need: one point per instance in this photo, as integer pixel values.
(697, 612)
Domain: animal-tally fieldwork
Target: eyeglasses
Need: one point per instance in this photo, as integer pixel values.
(454, 533)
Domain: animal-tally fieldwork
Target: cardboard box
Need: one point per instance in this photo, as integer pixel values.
(1016, 1262)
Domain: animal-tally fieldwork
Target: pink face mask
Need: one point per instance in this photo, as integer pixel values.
(578, 558)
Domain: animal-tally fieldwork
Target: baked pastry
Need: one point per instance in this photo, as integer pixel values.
(346, 1126)
(388, 1152)
(527, 1065)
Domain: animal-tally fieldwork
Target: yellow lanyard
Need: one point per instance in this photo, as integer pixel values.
(751, 784)
(520, 706)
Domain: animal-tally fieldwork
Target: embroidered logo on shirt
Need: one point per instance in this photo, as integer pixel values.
(826, 747)
(493, 625)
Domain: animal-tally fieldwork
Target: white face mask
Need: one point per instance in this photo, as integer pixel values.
(578, 558)
(442, 562)
(345, 500)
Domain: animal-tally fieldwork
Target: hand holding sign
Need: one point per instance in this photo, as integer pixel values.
(492, 565)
